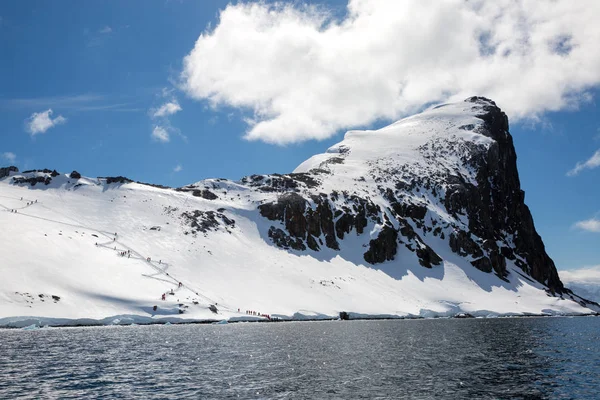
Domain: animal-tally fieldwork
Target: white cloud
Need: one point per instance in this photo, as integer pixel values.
(9, 156)
(106, 29)
(42, 121)
(160, 116)
(178, 168)
(590, 225)
(305, 75)
(585, 282)
(160, 134)
(586, 274)
(169, 108)
(591, 163)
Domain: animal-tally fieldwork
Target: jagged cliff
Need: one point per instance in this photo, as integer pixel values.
(461, 185)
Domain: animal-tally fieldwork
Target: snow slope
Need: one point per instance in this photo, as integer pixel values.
(213, 238)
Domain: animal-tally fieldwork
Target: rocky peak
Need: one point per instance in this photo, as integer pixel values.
(445, 179)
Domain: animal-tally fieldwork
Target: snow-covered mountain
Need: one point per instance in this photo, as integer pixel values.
(424, 217)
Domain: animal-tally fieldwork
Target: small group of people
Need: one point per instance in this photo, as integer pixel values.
(125, 253)
(13, 211)
(164, 295)
(257, 314)
(30, 202)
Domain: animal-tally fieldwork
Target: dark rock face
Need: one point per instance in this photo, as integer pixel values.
(427, 257)
(496, 205)
(384, 247)
(4, 172)
(45, 171)
(205, 194)
(75, 175)
(32, 181)
(462, 244)
(205, 221)
(117, 179)
(285, 241)
(281, 183)
(308, 223)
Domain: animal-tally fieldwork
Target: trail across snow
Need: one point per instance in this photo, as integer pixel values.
(116, 244)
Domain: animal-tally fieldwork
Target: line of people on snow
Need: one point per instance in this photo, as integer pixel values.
(125, 253)
(28, 203)
(257, 314)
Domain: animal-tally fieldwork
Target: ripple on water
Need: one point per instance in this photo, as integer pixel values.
(534, 358)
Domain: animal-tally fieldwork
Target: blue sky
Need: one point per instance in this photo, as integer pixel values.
(244, 101)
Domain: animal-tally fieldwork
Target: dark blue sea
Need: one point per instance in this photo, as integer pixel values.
(517, 358)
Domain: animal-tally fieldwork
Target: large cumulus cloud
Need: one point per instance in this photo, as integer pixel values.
(304, 74)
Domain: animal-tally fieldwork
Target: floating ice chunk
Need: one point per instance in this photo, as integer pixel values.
(33, 327)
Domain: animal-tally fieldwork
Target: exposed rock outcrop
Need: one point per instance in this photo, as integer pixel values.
(116, 179)
(5, 171)
(75, 175)
(318, 220)
(19, 180)
(205, 221)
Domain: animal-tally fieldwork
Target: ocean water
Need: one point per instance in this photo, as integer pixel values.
(523, 358)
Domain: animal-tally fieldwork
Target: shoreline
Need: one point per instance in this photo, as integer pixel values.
(278, 320)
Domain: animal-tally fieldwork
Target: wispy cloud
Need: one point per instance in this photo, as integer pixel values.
(75, 103)
(168, 108)
(590, 225)
(40, 122)
(591, 163)
(98, 37)
(178, 168)
(118, 107)
(9, 156)
(160, 134)
(160, 116)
